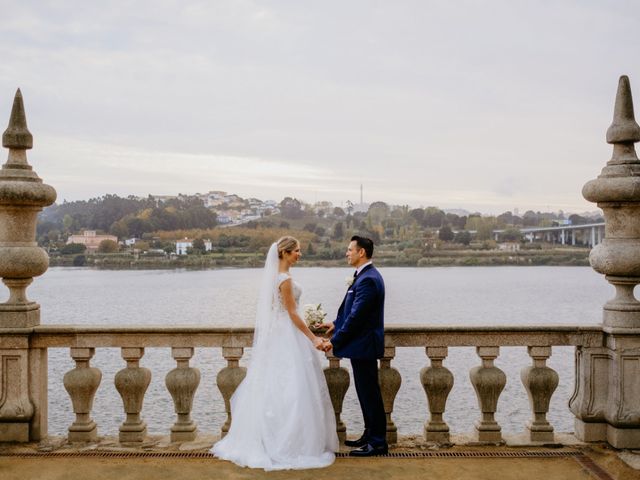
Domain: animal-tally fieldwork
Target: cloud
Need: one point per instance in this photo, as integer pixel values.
(440, 102)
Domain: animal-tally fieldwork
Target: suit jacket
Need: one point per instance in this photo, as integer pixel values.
(359, 325)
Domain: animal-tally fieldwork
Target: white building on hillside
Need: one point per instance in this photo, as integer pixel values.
(186, 243)
(183, 245)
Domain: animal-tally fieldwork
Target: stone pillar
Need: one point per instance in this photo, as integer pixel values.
(437, 382)
(182, 383)
(81, 384)
(338, 383)
(488, 382)
(390, 381)
(540, 382)
(23, 370)
(131, 383)
(229, 378)
(591, 394)
(617, 256)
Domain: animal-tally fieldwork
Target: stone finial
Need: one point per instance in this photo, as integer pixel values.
(617, 192)
(17, 135)
(22, 196)
(624, 128)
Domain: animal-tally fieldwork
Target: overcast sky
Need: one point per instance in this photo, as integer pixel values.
(483, 105)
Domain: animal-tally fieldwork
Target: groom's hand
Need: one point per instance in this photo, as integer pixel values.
(326, 346)
(330, 329)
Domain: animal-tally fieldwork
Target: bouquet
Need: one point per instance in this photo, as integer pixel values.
(314, 316)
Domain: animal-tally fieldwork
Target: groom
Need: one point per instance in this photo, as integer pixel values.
(358, 334)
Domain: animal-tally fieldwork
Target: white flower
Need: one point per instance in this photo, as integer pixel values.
(313, 314)
(349, 280)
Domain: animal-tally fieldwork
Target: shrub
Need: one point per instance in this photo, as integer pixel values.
(73, 248)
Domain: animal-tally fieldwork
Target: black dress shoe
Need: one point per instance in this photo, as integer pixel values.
(361, 442)
(369, 450)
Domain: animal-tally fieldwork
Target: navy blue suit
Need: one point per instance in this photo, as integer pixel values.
(359, 335)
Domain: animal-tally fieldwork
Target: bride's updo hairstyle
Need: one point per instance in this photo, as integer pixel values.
(287, 244)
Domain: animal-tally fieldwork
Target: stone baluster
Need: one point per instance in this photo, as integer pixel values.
(488, 382)
(540, 381)
(390, 381)
(229, 378)
(182, 383)
(338, 383)
(81, 384)
(131, 383)
(437, 382)
(617, 192)
(23, 369)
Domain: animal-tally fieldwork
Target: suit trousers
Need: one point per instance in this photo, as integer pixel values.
(365, 376)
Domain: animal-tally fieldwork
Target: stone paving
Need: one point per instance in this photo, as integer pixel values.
(107, 459)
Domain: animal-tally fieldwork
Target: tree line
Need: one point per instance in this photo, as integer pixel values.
(147, 218)
(123, 217)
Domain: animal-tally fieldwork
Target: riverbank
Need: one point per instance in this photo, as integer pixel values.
(438, 258)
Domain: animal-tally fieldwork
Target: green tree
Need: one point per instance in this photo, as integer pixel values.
(67, 223)
(485, 231)
(198, 245)
(445, 234)
(377, 212)
(338, 231)
(511, 235)
(310, 250)
(291, 208)
(108, 246)
(338, 212)
(463, 237)
(433, 217)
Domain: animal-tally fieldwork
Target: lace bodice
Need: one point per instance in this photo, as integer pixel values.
(297, 290)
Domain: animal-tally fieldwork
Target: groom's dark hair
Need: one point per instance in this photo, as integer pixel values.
(364, 242)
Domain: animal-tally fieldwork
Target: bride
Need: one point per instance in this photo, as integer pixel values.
(282, 416)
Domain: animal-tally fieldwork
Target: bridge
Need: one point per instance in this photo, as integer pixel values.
(590, 234)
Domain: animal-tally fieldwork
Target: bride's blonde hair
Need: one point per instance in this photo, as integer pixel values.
(287, 244)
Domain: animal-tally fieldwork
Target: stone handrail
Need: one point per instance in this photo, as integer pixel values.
(131, 382)
(397, 335)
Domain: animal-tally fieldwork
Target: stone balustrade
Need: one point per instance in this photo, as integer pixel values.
(132, 380)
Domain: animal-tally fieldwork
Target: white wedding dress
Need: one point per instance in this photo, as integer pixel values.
(282, 416)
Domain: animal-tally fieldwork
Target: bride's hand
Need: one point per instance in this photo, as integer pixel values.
(318, 343)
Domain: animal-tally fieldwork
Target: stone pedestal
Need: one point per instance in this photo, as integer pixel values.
(132, 383)
(540, 382)
(229, 378)
(23, 370)
(82, 383)
(437, 381)
(337, 378)
(606, 401)
(488, 382)
(182, 382)
(390, 381)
